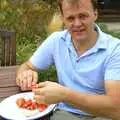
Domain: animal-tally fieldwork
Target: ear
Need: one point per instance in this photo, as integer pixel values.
(95, 15)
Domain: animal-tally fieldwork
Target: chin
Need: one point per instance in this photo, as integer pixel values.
(80, 38)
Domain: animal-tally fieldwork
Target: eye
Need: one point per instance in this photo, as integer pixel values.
(70, 19)
(83, 17)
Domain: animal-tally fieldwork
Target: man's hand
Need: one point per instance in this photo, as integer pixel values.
(107, 105)
(49, 93)
(26, 76)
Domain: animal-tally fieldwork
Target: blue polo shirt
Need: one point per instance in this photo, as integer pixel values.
(86, 73)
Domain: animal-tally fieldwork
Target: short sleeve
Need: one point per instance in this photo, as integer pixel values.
(43, 56)
(112, 67)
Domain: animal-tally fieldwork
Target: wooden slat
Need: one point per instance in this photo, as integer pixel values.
(7, 79)
(8, 76)
(2, 49)
(110, 11)
(8, 48)
(109, 15)
(8, 85)
(8, 91)
(13, 49)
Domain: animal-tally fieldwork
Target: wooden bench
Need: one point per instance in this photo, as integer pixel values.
(7, 48)
(8, 85)
(109, 15)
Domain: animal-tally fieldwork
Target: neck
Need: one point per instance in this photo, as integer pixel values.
(82, 46)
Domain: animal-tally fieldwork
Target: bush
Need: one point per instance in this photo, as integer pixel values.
(48, 75)
(29, 19)
(105, 29)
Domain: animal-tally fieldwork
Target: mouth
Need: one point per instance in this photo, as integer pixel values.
(79, 31)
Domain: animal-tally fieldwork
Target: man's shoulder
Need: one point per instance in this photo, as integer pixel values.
(113, 43)
(55, 37)
(111, 39)
(58, 34)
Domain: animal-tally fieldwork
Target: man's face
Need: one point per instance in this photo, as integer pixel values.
(79, 18)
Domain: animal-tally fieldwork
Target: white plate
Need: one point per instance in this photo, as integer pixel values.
(9, 109)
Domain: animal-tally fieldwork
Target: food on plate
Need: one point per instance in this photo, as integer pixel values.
(20, 102)
(30, 107)
(29, 113)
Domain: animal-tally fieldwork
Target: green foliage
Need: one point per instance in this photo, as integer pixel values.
(25, 51)
(29, 19)
(105, 29)
(51, 2)
(48, 75)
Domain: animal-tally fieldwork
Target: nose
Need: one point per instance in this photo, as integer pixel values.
(77, 22)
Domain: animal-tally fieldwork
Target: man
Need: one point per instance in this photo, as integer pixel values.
(87, 61)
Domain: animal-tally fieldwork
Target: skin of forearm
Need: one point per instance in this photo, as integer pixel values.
(98, 105)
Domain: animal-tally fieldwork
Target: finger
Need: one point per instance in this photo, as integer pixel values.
(35, 78)
(25, 79)
(29, 79)
(22, 88)
(38, 91)
(34, 86)
(25, 89)
(21, 81)
(21, 78)
(39, 99)
(43, 84)
(18, 81)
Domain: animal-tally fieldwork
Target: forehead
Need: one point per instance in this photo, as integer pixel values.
(80, 5)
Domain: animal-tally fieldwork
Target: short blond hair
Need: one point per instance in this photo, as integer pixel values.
(93, 2)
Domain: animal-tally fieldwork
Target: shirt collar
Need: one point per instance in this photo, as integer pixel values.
(101, 41)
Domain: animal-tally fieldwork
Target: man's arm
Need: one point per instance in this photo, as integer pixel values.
(26, 76)
(99, 105)
(107, 105)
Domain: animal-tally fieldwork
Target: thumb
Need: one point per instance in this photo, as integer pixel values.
(35, 78)
(42, 84)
